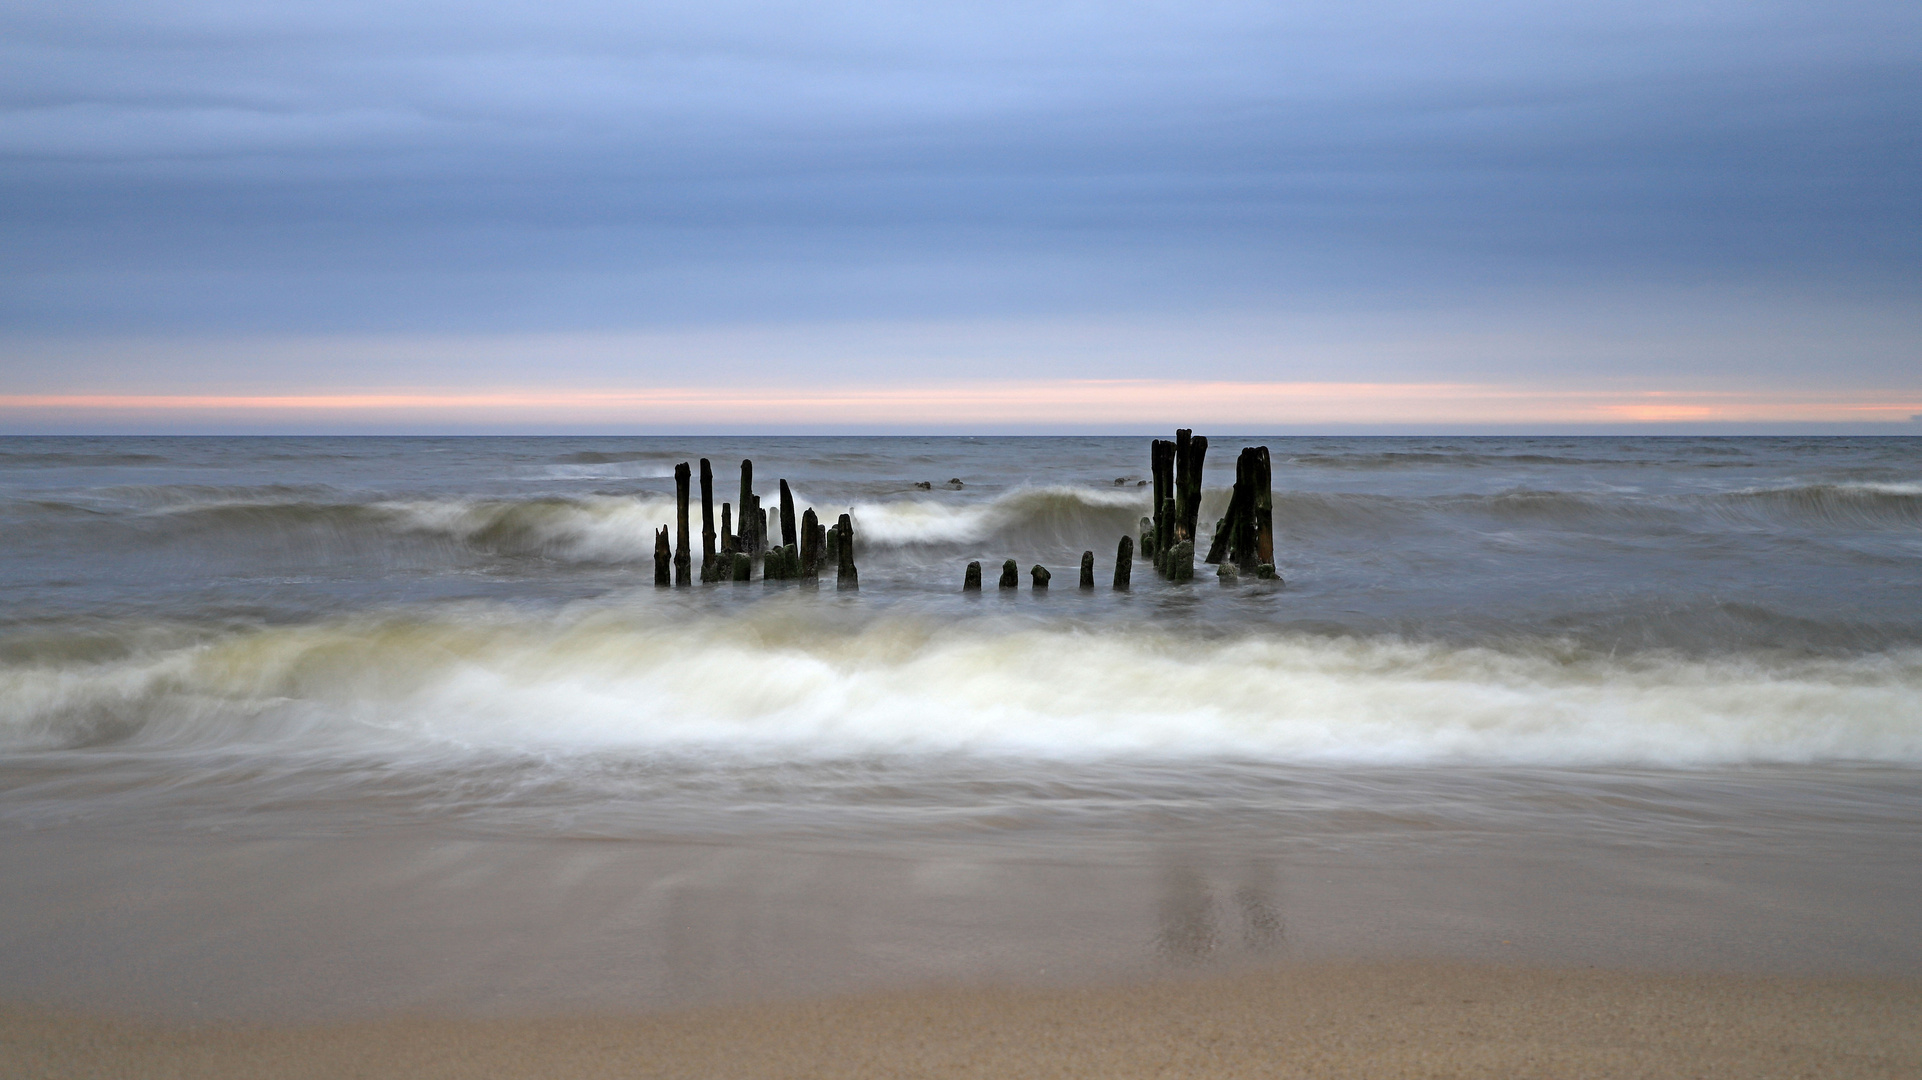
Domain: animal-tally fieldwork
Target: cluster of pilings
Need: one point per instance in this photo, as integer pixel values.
(1244, 539)
(1168, 538)
(730, 554)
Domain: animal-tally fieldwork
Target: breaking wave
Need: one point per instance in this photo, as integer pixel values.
(777, 684)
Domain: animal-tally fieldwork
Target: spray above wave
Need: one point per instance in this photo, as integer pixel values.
(778, 685)
(1032, 515)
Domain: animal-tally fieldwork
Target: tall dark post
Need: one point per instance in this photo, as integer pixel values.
(1191, 498)
(847, 579)
(1182, 438)
(971, 581)
(707, 521)
(744, 518)
(683, 558)
(1010, 575)
(810, 545)
(1264, 510)
(761, 532)
(663, 560)
(787, 516)
(1124, 562)
(727, 532)
(1087, 569)
(1161, 458)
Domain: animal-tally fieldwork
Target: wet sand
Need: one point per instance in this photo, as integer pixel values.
(1372, 1020)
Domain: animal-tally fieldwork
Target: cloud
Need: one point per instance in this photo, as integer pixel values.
(510, 167)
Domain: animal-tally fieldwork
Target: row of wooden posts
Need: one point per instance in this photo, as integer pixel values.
(1244, 540)
(729, 555)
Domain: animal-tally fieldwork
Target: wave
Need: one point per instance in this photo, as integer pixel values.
(1032, 515)
(782, 684)
(610, 528)
(74, 459)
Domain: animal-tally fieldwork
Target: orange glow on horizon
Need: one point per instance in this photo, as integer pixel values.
(1075, 401)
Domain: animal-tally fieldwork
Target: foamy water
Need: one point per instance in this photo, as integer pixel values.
(197, 628)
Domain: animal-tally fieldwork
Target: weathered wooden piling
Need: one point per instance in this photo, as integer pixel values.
(1181, 561)
(663, 560)
(831, 548)
(1161, 468)
(1087, 569)
(1010, 575)
(1041, 577)
(744, 524)
(743, 566)
(810, 545)
(727, 537)
(1148, 538)
(821, 556)
(683, 558)
(787, 517)
(848, 578)
(1228, 573)
(708, 569)
(1245, 534)
(1124, 560)
(971, 581)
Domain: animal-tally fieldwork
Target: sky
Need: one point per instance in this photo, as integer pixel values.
(574, 215)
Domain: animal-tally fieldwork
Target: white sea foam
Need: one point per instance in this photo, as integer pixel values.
(777, 685)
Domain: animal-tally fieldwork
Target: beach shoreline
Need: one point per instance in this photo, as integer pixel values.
(1380, 1019)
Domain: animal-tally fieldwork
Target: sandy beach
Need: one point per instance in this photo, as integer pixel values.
(1373, 1020)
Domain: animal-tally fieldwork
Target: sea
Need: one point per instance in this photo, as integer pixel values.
(1659, 647)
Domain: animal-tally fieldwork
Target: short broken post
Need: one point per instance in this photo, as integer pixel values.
(1010, 575)
(1041, 577)
(663, 560)
(1124, 559)
(1087, 569)
(971, 581)
(848, 578)
(810, 545)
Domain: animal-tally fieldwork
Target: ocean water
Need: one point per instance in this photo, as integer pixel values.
(1651, 641)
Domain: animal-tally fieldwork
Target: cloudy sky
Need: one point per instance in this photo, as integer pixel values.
(650, 216)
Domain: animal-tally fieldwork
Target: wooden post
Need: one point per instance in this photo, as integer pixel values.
(1148, 538)
(971, 581)
(821, 556)
(1196, 454)
(848, 578)
(1124, 560)
(663, 560)
(744, 523)
(1181, 562)
(1264, 509)
(1087, 569)
(1041, 577)
(831, 547)
(761, 533)
(1010, 575)
(1161, 457)
(810, 545)
(787, 516)
(743, 566)
(1183, 437)
(727, 536)
(683, 558)
(707, 522)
